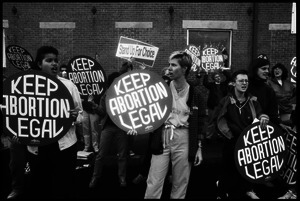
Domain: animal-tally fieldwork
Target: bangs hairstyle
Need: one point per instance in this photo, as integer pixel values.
(40, 54)
(284, 75)
(184, 60)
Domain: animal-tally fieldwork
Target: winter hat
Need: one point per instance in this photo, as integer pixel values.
(260, 61)
(263, 56)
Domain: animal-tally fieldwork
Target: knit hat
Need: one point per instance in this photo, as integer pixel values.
(263, 56)
(259, 61)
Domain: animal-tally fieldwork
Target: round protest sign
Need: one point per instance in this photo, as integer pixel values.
(194, 52)
(293, 70)
(139, 100)
(259, 154)
(35, 108)
(19, 57)
(88, 75)
(289, 173)
(212, 59)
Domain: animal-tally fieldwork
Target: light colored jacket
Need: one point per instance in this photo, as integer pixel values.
(69, 138)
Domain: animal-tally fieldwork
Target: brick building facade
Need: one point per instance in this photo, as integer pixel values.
(95, 28)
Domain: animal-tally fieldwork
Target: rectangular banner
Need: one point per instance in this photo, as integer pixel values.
(293, 27)
(142, 53)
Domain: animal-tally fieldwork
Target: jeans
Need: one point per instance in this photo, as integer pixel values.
(90, 131)
(17, 164)
(108, 135)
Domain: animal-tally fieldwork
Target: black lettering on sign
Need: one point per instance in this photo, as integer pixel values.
(289, 173)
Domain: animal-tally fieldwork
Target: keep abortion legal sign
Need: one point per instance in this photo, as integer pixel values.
(193, 51)
(142, 53)
(35, 108)
(260, 154)
(139, 100)
(88, 75)
(289, 173)
(19, 57)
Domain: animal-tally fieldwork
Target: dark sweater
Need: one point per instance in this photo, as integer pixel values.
(216, 91)
(266, 97)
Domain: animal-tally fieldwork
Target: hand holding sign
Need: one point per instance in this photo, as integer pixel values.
(137, 51)
(264, 120)
(74, 113)
(36, 108)
(259, 154)
(132, 132)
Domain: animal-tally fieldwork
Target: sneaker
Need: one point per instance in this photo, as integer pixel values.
(14, 194)
(252, 195)
(123, 182)
(131, 153)
(288, 195)
(93, 183)
(220, 193)
(140, 178)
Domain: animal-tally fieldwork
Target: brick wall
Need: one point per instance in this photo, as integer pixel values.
(97, 33)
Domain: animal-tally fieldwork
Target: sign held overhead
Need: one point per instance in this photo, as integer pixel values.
(142, 53)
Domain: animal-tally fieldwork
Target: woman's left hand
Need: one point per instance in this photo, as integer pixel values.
(74, 113)
(198, 157)
(132, 132)
(263, 123)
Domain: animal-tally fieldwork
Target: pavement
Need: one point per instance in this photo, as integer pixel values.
(202, 183)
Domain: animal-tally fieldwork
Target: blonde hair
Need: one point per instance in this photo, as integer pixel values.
(184, 60)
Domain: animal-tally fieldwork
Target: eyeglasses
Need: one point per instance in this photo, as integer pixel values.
(243, 81)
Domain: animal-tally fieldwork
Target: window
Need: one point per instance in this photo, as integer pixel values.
(214, 47)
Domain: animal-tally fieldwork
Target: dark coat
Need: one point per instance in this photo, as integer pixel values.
(266, 97)
(216, 92)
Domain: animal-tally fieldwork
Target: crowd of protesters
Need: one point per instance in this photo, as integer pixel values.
(176, 145)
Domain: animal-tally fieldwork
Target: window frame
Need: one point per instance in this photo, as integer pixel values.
(212, 30)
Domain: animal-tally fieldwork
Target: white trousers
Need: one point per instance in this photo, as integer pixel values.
(175, 150)
(90, 130)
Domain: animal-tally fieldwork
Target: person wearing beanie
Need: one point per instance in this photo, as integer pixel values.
(285, 91)
(258, 75)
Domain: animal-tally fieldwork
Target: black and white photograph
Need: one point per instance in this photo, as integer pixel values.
(149, 100)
